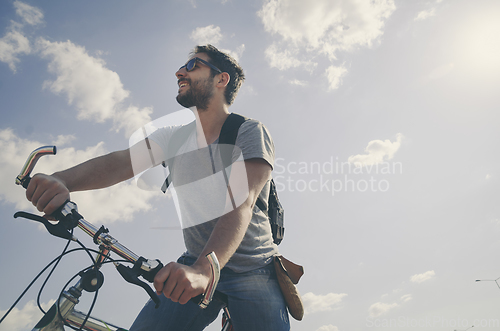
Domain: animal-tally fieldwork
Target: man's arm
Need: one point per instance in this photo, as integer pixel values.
(231, 227)
(179, 282)
(47, 193)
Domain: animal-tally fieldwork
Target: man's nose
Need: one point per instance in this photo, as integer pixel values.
(181, 72)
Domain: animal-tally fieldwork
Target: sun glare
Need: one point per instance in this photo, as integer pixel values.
(479, 42)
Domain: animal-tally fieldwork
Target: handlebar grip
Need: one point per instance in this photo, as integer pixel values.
(25, 182)
(217, 296)
(30, 163)
(214, 280)
(197, 299)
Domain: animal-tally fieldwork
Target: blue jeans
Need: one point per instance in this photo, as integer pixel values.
(255, 302)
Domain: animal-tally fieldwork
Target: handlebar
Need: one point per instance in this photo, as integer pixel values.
(69, 218)
(24, 176)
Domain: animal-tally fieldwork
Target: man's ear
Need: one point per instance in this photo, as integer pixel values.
(223, 79)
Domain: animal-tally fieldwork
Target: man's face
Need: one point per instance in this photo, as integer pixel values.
(196, 86)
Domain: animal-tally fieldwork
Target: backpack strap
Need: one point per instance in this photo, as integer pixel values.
(229, 130)
(261, 206)
(226, 143)
(228, 135)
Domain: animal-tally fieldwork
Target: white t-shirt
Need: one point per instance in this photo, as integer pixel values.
(202, 195)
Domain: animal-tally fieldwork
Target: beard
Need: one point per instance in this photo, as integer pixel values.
(197, 95)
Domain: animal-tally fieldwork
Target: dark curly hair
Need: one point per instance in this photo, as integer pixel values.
(227, 64)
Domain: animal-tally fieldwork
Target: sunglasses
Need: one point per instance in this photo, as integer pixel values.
(191, 64)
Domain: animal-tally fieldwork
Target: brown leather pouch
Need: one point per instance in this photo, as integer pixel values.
(289, 274)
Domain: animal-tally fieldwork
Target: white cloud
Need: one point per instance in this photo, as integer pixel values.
(286, 59)
(328, 328)
(237, 54)
(380, 308)
(419, 278)
(96, 91)
(429, 12)
(298, 82)
(425, 14)
(334, 75)
(29, 14)
(212, 35)
(119, 202)
(25, 318)
(324, 25)
(309, 28)
(377, 152)
(62, 140)
(317, 303)
(406, 297)
(13, 44)
(206, 35)
(131, 118)
(281, 60)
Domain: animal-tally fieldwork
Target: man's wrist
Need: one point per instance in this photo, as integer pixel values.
(202, 265)
(60, 178)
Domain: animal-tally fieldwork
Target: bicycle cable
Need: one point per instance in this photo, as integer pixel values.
(45, 269)
(91, 306)
(110, 260)
(50, 274)
(56, 262)
(94, 262)
(80, 273)
(34, 280)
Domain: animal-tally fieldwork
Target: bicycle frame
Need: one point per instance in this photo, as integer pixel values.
(62, 311)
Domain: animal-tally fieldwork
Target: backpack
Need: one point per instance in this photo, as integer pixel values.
(229, 132)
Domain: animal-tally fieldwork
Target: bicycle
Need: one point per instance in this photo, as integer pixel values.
(63, 312)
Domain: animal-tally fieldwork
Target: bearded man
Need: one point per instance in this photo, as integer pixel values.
(238, 233)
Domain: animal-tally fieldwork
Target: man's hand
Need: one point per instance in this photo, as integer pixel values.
(47, 193)
(180, 283)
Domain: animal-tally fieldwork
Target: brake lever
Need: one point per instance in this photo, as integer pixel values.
(58, 229)
(132, 276)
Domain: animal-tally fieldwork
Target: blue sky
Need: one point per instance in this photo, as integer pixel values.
(384, 116)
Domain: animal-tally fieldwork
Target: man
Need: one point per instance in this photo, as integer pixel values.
(241, 237)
